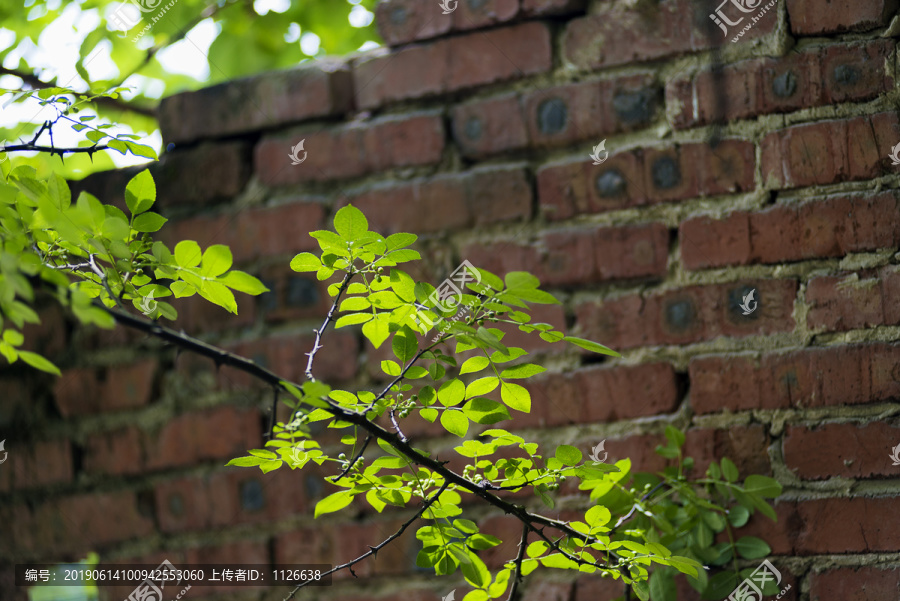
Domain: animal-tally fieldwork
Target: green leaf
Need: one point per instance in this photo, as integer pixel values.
(729, 470)
(662, 586)
(390, 368)
(762, 486)
(428, 414)
(148, 222)
(216, 260)
(485, 411)
(569, 455)
(751, 547)
(451, 392)
(352, 319)
(404, 344)
(350, 223)
(188, 253)
(140, 193)
(675, 436)
(474, 364)
(481, 386)
(218, 294)
(720, 586)
(589, 345)
(243, 282)
(306, 262)
(525, 370)
(333, 502)
(598, 515)
(516, 397)
(738, 515)
(455, 422)
(377, 331)
(38, 362)
(399, 240)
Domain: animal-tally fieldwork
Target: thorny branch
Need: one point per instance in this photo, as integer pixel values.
(318, 342)
(373, 550)
(517, 572)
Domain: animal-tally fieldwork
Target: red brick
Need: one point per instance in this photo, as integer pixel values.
(402, 21)
(233, 496)
(78, 523)
(613, 35)
(306, 545)
(352, 150)
(689, 314)
(285, 355)
(744, 445)
(868, 532)
(35, 464)
(596, 588)
(828, 152)
(254, 233)
(643, 176)
(632, 252)
(552, 7)
(203, 175)
(197, 315)
(816, 77)
(93, 390)
(18, 395)
(548, 591)
(472, 15)
(453, 64)
(259, 102)
(868, 457)
(615, 393)
(490, 126)
(831, 227)
(114, 453)
(220, 433)
(812, 17)
(844, 375)
(854, 584)
(49, 337)
(292, 296)
(478, 197)
(848, 302)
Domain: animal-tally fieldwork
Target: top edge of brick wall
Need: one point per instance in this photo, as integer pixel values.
(321, 89)
(403, 21)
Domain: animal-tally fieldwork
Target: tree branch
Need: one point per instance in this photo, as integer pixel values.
(517, 574)
(352, 462)
(373, 550)
(318, 342)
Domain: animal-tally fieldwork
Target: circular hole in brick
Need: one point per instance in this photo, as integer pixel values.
(846, 75)
(633, 108)
(785, 84)
(552, 115)
(666, 173)
(302, 292)
(252, 495)
(473, 128)
(610, 184)
(176, 504)
(398, 15)
(680, 314)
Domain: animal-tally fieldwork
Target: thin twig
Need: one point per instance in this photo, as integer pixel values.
(274, 411)
(517, 573)
(397, 426)
(373, 550)
(318, 342)
(353, 459)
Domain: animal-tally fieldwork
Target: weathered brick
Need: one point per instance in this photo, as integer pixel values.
(614, 393)
(815, 77)
(869, 532)
(689, 315)
(828, 152)
(843, 375)
(35, 464)
(831, 227)
(92, 390)
(478, 197)
(117, 453)
(452, 64)
(292, 295)
(548, 591)
(253, 233)
(595, 588)
(853, 301)
(402, 21)
(868, 457)
(813, 17)
(490, 126)
(351, 150)
(854, 584)
(258, 102)
(285, 355)
(644, 176)
(614, 35)
(744, 445)
(220, 433)
(581, 256)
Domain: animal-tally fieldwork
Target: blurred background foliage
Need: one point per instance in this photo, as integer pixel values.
(84, 46)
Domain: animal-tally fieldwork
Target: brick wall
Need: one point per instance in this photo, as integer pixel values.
(756, 165)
